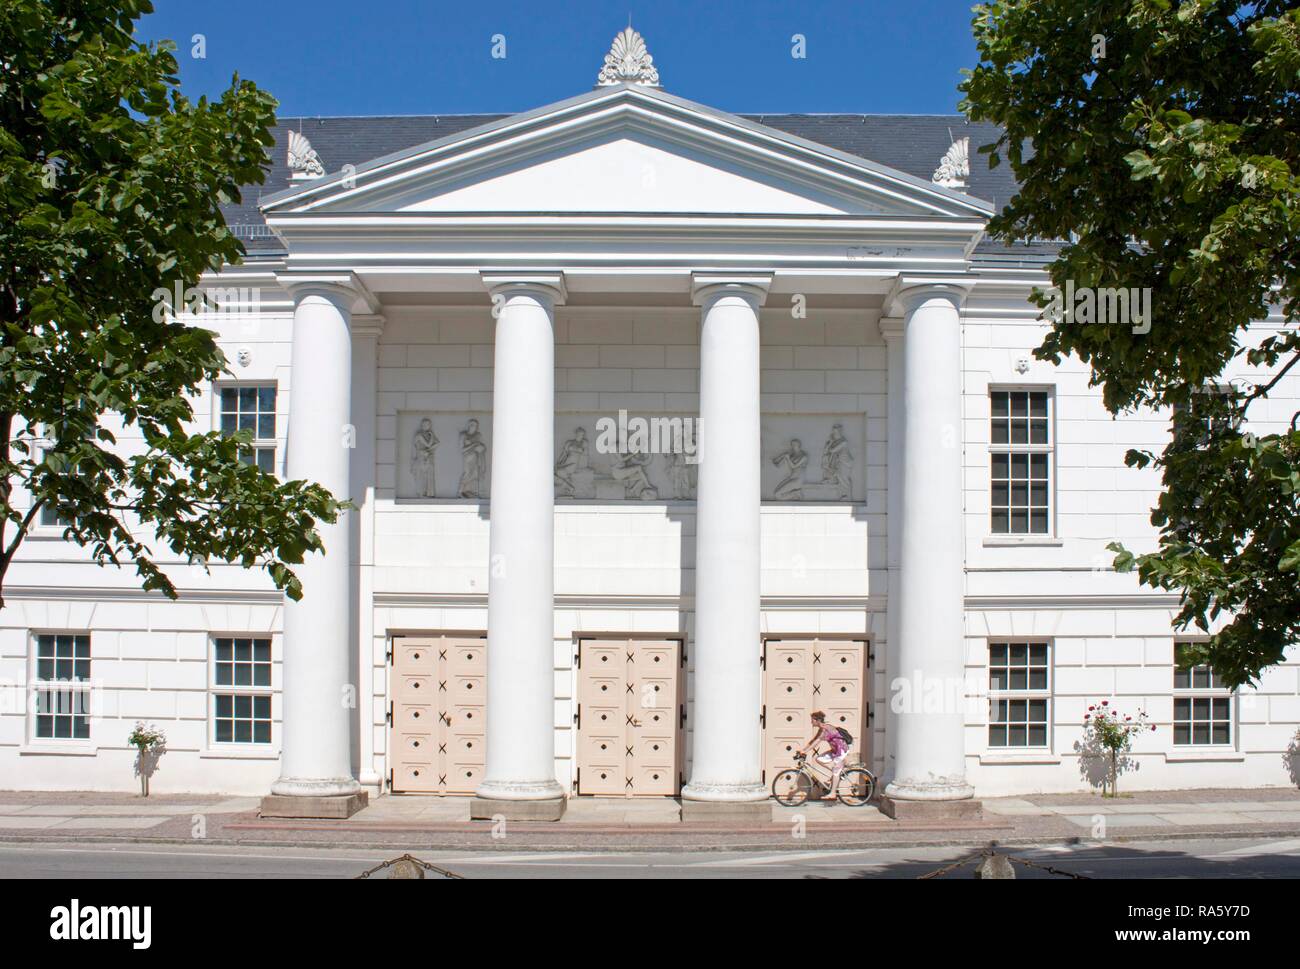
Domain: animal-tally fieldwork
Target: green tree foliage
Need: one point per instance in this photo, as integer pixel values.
(110, 187)
(1161, 142)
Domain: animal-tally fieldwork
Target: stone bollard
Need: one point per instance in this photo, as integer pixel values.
(406, 869)
(995, 866)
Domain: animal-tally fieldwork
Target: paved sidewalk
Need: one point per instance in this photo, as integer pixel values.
(615, 823)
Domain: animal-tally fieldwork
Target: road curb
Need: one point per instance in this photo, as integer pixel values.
(804, 844)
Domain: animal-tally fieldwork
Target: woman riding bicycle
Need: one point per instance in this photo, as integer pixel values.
(835, 757)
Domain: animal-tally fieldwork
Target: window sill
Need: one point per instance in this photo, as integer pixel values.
(239, 752)
(75, 749)
(1010, 541)
(1023, 757)
(1224, 755)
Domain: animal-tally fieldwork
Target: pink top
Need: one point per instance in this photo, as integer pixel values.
(832, 736)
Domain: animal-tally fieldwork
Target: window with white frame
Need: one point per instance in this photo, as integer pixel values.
(1202, 704)
(61, 688)
(251, 408)
(1020, 462)
(241, 690)
(1019, 694)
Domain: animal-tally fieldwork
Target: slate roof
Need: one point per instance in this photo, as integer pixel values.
(910, 143)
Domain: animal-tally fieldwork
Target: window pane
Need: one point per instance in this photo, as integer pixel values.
(1182, 733)
(1038, 403)
(1001, 465)
(266, 426)
(225, 706)
(1182, 679)
(243, 731)
(1001, 522)
(248, 398)
(262, 650)
(1221, 733)
(266, 399)
(1019, 522)
(1019, 405)
(1037, 735)
(225, 732)
(262, 707)
(262, 732)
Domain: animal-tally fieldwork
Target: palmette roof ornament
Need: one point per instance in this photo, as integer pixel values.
(628, 61)
(954, 167)
(303, 160)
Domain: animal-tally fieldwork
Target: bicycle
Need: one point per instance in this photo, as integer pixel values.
(793, 785)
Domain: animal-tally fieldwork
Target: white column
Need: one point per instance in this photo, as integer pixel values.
(315, 758)
(891, 329)
(930, 743)
(725, 761)
(521, 579)
(366, 330)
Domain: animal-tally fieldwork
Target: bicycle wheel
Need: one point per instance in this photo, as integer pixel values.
(857, 785)
(791, 787)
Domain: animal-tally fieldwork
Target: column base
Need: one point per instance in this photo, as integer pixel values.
(757, 812)
(334, 806)
(706, 791)
(496, 808)
(901, 809)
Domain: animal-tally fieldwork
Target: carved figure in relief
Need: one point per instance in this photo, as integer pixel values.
(473, 452)
(837, 462)
(678, 469)
(792, 462)
(630, 470)
(423, 443)
(572, 461)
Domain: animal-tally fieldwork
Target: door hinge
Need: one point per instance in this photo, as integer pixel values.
(762, 716)
(389, 716)
(577, 717)
(682, 722)
(388, 654)
(871, 714)
(390, 779)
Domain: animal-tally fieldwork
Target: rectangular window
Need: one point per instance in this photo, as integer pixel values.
(241, 698)
(252, 408)
(1019, 694)
(1020, 460)
(1202, 704)
(62, 687)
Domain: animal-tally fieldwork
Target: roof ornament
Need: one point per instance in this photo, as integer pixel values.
(303, 160)
(954, 167)
(628, 61)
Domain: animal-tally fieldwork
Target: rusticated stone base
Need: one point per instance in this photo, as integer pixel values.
(541, 809)
(334, 807)
(966, 809)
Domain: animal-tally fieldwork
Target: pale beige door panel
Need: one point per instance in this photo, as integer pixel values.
(630, 713)
(438, 713)
(801, 675)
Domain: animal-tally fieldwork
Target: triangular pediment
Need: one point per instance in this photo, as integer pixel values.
(625, 149)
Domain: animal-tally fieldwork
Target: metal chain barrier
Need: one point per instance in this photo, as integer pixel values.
(990, 852)
(410, 859)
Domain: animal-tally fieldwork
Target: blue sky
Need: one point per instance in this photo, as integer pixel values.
(369, 57)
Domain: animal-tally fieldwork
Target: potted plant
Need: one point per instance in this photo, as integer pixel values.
(149, 741)
(1106, 728)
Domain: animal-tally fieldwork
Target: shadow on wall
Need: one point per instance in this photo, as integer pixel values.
(1094, 764)
(1291, 759)
(146, 763)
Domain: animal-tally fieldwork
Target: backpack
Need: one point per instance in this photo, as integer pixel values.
(845, 736)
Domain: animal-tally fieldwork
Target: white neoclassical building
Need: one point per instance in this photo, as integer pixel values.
(664, 427)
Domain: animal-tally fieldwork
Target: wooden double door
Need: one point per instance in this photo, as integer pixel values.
(630, 717)
(439, 707)
(804, 674)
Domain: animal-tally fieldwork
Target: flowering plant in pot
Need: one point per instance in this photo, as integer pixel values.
(149, 741)
(1107, 728)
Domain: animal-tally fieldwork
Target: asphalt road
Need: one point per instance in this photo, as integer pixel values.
(1222, 858)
